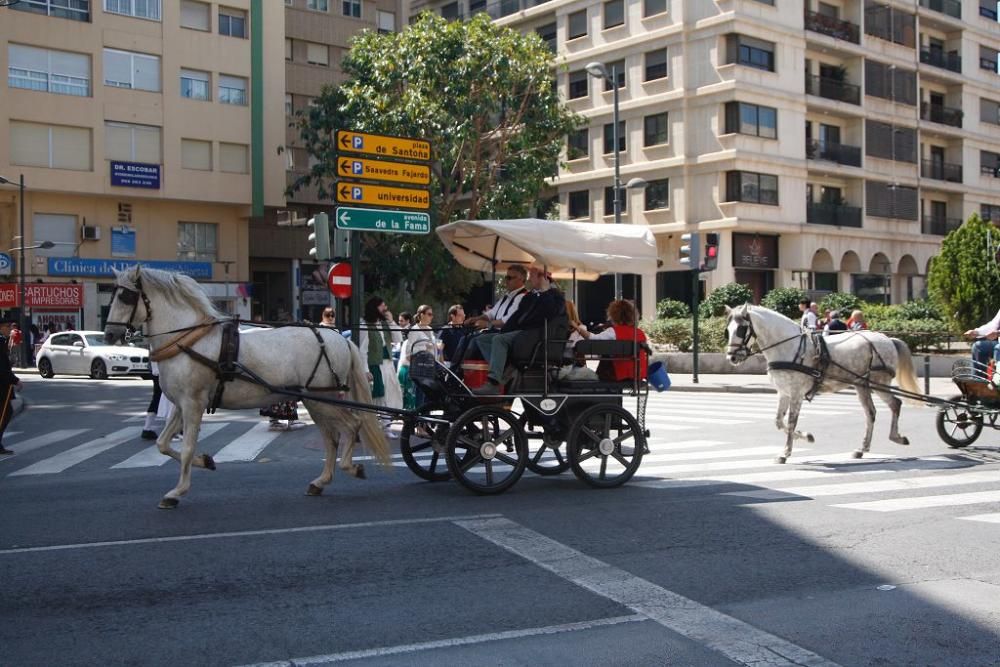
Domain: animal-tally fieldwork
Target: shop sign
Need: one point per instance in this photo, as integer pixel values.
(63, 321)
(135, 175)
(75, 266)
(43, 295)
(6, 264)
(123, 241)
(753, 251)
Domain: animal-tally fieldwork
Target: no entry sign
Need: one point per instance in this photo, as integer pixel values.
(339, 280)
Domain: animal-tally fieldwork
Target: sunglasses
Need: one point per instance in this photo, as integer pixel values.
(509, 277)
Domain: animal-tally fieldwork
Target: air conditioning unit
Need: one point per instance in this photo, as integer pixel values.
(90, 233)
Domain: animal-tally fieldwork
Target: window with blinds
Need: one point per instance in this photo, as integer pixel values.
(890, 142)
(891, 200)
(48, 70)
(52, 146)
(232, 90)
(132, 143)
(196, 15)
(897, 84)
(142, 9)
(125, 69)
(197, 241)
(989, 111)
(317, 54)
(196, 154)
(194, 84)
(234, 158)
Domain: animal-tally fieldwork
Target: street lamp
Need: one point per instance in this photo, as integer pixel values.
(25, 350)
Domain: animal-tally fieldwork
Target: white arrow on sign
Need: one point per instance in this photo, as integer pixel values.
(345, 218)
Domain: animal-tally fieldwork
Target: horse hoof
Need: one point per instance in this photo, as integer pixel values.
(359, 472)
(780, 459)
(208, 462)
(810, 438)
(169, 503)
(904, 441)
(314, 490)
(857, 454)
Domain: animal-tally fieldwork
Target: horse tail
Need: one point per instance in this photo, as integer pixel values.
(371, 430)
(906, 374)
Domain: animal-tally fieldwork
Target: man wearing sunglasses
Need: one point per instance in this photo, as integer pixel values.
(514, 278)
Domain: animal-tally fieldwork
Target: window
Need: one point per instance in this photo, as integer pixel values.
(317, 54)
(288, 49)
(47, 70)
(658, 194)
(75, 10)
(548, 35)
(386, 21)
(476, 6)
(578, 84)
(289, 109)
(656, 65)
(890, 142)
(124, 69)
(232, 22)
(318, 5)
(990, 213)
(616, 71)
(579, 204)
(196, 154)
(197, 241)
(890, 24)
(756, 53)
(140, 9)
(232, 90)
(351, 8)
(653, 7)
(897, 84)
(609, 137)
(614, 13)
(890, 200)
(752, 119)
(194, 84)
(989, 163)
(750, 187)
(450, 12)
(234, 158)
(654, 129)
(132, 143)
(52, 146)
(196, 15)
(989, 111)
(609, 200)
(578, 144)
(577, 24)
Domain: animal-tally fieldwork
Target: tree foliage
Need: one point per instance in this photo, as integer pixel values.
(730, 294)
(483, 95)
(785, 300)
(672, 308)
(964, 279)
(842, 302)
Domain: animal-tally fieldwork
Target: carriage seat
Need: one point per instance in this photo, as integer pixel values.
(528, 350)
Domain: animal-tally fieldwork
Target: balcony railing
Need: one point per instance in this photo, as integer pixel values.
(952, 8)
(949, 61)
(941, 171)
(833, 214)
(832, 89)
(939, 226)
(839, 153)
(988, 63)
(987, 170)
(986, 12)
(842, 30)
(938, 113)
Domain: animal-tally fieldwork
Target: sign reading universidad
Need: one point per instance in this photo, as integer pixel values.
(135, 175)
(74, 266)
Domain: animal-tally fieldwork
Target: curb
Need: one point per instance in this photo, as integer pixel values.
(725, 388)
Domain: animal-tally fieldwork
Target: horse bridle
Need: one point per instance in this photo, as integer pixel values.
(745, 332)
(130, 297)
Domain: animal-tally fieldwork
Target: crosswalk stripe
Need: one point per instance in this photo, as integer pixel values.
(735, 410)
(151, 456)
(673, 418)
(700, 455)
(847, 488)
(748, 478)
(78, 454)
(43, 440)
(986, 518)
(923, 502)
(249, 445)
(679, 468)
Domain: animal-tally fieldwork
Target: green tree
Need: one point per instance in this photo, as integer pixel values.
(964, 278)
(843, 302)
(672, 308)
(483, 95)
(730, 294)
(785, 300)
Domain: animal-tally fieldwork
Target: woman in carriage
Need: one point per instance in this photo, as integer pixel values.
(622, 315)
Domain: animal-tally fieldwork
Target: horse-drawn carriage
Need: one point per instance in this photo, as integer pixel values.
(961, 419)
(544, 421)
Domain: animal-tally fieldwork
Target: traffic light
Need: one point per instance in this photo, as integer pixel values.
(711, 252)
(689, 250)
(320, 237)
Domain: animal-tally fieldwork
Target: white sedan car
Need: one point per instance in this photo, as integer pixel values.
(85, 353)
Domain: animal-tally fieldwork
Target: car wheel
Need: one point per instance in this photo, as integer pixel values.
(45, 368)
(98, 370)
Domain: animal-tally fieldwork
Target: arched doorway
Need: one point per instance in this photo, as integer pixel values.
(824, 273)
(912, 284)
(875, 286)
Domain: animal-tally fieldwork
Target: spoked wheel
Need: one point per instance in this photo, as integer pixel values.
(958, 426)
(98, 370)
(422, 444)
(487, 451)
(605, 446)
(546, 454)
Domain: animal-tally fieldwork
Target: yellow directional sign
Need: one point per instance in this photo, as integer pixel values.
(385, 146)
(355, 193)
(380, 170)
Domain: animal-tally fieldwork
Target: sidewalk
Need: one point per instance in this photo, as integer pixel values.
(761, 384)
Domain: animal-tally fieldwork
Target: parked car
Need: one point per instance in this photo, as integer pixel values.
(85, 353)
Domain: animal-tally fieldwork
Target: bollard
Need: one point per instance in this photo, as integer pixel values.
(927, 374)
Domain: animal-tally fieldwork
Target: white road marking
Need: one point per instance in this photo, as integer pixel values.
(150, 457)
(923, 502)
(792, 474)
(879, 486)
(701, 455)
(737, 640)
(41, 441)
(986, 518)
(655, 420)
(78, 454)
(249, 445)
(679, 468)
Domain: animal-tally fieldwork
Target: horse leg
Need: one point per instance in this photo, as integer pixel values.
(794, 405)
(330, 437)
(865, 397)
(172, 426)
(779, 419)
(192, 424)
(894, 405)
(351, 436)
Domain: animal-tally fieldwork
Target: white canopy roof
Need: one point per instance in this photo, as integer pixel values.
(592, 249)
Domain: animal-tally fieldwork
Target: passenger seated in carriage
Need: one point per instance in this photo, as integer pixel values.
(985, 348)
(622, 315)
(495, 316)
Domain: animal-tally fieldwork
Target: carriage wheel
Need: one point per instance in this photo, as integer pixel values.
(958, 426)
(422, 444)
(605, 446)
(546, 455)
(487, 450)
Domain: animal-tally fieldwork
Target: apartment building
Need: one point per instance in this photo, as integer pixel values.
(831, 143)
(144, 130)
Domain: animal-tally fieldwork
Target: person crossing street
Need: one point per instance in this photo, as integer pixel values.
(8, 382)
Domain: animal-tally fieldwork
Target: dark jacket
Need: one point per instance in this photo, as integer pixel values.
(7, 376)
(535, 309)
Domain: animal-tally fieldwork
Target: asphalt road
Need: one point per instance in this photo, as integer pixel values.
(712, 555)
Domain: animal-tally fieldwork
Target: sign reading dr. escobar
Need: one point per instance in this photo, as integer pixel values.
(74, 266)
(135, 175)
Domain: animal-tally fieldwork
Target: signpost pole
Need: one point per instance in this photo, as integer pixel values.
(356, 288)
(25, 349)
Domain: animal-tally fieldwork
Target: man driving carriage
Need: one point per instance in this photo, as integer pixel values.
(985, 348)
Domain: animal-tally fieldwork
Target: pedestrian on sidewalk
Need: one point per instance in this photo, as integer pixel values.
(8, 382)
(15, 346)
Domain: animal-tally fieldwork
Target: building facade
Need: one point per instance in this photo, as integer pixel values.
(830, 143)
(144, 130)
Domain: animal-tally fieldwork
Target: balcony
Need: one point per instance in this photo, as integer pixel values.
(826, 25)
(939, 226)
(952, 8)
(988, 13)
(839, 153)
(987, 170)
(938, 113)
(832, 89)
(941, 171)
(833, 214)
(988, 63)
(949, 61)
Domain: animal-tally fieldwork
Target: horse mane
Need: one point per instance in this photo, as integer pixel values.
(177, 288)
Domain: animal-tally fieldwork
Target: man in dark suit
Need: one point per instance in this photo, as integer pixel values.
(8, 382)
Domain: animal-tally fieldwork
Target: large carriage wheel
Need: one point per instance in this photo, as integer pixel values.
(546, 455)
(487, 450)
(422, 444)
(959, 426)
(605, 446)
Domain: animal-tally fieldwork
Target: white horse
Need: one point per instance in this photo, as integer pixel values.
(186, 334)
(799, 367)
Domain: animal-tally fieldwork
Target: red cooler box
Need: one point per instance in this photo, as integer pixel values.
(474, 372)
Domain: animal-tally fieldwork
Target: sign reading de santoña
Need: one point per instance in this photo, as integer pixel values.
(43, 295)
